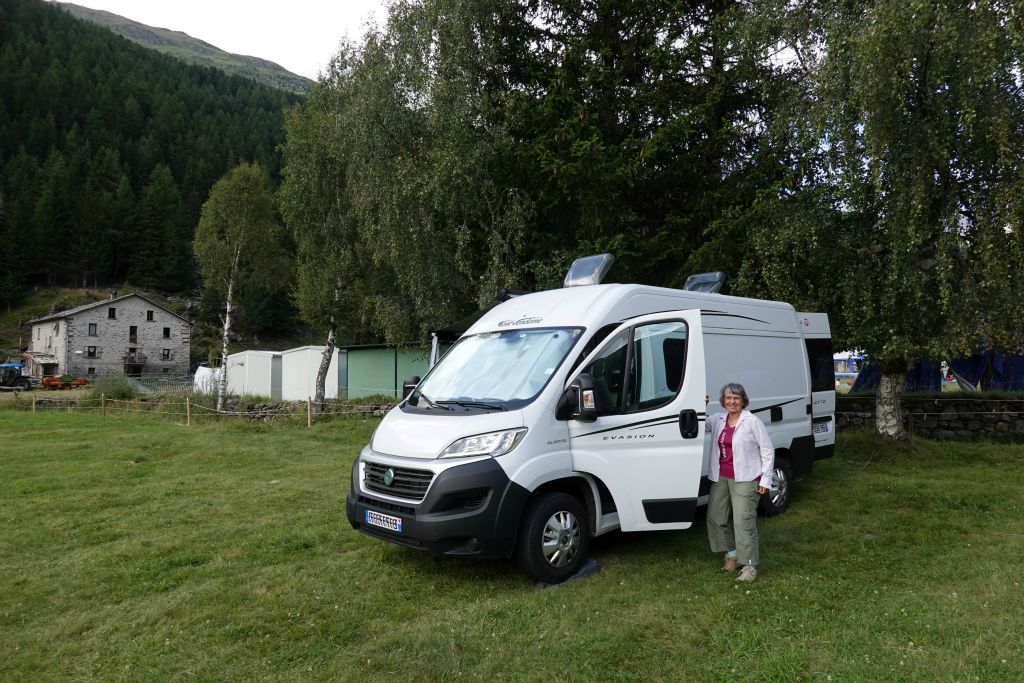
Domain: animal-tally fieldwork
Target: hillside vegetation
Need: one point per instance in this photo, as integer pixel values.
(108, 150)
(193, 50)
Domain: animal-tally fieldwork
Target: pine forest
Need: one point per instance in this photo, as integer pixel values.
(108, 150)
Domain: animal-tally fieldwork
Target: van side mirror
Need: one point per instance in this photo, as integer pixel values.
(688, 428)
(408, 384)
(578, 401)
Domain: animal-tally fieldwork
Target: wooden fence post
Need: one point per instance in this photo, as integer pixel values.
(309, 412)
(103, 405)
(188, 412)
(33, 404)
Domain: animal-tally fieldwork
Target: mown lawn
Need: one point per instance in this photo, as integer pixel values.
(137, 549)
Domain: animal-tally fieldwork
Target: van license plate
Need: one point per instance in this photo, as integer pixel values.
(384, 521)
(819, 427)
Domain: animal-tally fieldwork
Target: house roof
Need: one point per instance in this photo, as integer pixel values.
(105, 302)
(311, 347)
(40, 357)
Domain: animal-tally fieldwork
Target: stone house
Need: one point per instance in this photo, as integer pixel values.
(127, 335)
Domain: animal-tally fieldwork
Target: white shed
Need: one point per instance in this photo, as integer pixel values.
(298, 373)
(255, 373)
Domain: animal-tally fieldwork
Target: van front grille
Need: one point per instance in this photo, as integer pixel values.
(393, 508)
(405, 482)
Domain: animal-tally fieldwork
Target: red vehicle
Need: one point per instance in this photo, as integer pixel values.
(63, 382)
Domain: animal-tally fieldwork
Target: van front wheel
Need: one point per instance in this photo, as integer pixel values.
(776, 499)
(553, 538)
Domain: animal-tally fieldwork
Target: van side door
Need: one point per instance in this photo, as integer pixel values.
(818, 341)
(647, 442)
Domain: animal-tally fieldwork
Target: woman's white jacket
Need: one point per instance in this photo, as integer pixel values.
(752, 453)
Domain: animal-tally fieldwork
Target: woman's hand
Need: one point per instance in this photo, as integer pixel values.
(762, 490)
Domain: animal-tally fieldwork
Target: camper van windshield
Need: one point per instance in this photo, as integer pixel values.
(495, 370)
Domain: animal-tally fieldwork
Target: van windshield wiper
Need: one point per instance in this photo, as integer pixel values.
(432, 404)
(472, 404)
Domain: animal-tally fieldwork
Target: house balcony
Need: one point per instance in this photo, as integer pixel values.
(134, 359)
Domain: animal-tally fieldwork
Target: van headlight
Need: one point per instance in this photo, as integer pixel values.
(492, 444)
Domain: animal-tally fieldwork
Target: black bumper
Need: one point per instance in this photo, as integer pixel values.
(471, 509)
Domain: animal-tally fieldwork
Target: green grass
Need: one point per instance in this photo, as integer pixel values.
(138, 549)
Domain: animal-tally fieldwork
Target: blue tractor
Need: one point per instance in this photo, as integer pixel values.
(11, 377)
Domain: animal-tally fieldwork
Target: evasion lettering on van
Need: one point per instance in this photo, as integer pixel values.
(627, 437)
(521, 321)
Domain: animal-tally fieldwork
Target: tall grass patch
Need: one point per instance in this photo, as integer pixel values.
(114, 388)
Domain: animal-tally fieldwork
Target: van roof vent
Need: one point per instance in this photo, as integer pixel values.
(705, 282)
(588, 270)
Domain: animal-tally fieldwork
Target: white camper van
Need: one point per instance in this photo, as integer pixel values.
(565, 414)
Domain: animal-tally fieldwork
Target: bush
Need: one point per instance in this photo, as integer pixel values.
(115, 388)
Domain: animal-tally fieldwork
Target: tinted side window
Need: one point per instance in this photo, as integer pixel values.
(656, 365)
(640, 369)
(594, 342)
(819, 357)
(609, 372)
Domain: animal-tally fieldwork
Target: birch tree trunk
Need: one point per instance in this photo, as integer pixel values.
(325, 364)
(222, 386)
(888, 418)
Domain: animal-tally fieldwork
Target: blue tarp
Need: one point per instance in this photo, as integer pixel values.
(924, 376)
(995, 369)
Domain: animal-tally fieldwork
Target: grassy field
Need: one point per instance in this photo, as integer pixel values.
(136, 549)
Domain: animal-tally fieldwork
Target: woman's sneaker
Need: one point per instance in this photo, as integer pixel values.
(730, 564)
(748, 573)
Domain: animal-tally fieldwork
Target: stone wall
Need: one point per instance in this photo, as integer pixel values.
(957, 418)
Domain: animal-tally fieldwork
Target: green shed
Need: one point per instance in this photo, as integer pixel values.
(381, 369)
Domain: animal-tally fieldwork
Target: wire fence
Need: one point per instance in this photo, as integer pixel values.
(189, 410)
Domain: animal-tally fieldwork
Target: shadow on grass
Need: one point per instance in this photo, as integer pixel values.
(614, 549)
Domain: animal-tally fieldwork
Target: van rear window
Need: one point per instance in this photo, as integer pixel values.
(819, 357)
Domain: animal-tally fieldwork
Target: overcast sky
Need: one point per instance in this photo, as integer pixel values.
(300, 35)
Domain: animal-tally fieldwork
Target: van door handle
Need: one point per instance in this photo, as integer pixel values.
(688, 423)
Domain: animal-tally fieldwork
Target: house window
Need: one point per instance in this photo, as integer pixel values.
(149, 316)
(38, 330)
(167, 333)
(133, 334)
(167, 371)
(90, 351)
(112, 313)
(92, 329)
(165, 354)
(91, 371)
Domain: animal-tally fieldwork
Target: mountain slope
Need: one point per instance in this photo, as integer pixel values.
(108, 150)
(193, 50)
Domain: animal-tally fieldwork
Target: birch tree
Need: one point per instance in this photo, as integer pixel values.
(907, 196)
(238, 241)
(334, 279)
(401, 221)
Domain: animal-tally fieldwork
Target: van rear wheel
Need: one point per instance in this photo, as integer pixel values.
(554, 537)
(777, 498)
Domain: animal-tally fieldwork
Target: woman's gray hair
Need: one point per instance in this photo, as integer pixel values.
(736, 389)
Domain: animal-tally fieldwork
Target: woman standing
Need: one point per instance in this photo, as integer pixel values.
(740, 474)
